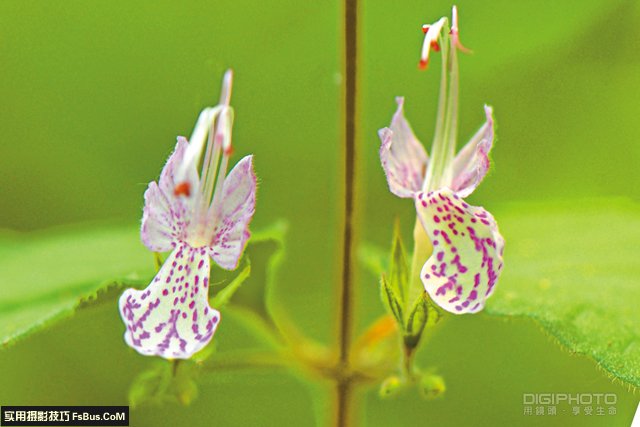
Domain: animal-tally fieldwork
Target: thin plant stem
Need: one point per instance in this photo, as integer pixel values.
(248, 360)
(346, 285)
(343, 404)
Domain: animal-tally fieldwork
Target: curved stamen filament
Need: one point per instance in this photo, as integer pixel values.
(436, 163)
(210, 167)
(225, 125)
(214, 125)
(219, 140)
(451, 130)
(227, 82)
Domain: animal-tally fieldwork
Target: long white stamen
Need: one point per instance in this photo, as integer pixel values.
(227, 82)
(439, 172)
(214, 123)
(209, 165)
(226, 124)
(454, 20)
(219, 139)
(451, 130)
(455, 34)
(435, 166)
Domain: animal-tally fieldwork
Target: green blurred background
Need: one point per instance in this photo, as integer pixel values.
(93, 94)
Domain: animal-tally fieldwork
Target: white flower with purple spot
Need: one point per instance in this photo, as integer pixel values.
(467, 248)
(197, 217)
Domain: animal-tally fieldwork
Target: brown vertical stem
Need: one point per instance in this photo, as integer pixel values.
(346, 297)
(346, 316)
(343, 403)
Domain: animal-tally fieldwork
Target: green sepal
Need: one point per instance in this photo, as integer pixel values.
(166, 382)
(393, 288)
(399, 266)
(391, 301)
(423, 313)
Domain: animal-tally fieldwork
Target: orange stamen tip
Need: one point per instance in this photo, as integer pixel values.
(435, 46)
(229, 151)
(423, 64)
(425, 28)
(182, 189)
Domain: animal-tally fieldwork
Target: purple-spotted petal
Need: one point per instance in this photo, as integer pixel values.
(467, 251)
(472, 162)
(171, 318)
(402, 155)
(237, 207)
(164, 218)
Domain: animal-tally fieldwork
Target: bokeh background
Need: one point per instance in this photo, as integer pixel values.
(93, 94)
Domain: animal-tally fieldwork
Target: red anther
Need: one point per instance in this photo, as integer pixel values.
(182, 189)
(425, 28)
(423, 64)
(435, 46)
(228, 151)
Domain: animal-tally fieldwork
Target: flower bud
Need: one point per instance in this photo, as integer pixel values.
(390, 387)
(432, 386)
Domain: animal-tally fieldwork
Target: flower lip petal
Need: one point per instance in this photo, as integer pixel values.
(467, 254)
(403, 157)
(172, 318)
(472, 162)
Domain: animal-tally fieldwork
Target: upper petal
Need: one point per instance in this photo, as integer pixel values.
(237, 207)
(402, 155)
(172, 318)
(165, 215)
(467, 251)
(472, 162)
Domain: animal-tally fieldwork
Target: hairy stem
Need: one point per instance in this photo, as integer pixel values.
(346, 317)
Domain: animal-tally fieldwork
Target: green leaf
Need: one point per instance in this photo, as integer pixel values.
(223, 296)
(46, 276)
(573, 267)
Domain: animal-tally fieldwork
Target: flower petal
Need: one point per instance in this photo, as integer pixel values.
(472, 162)
(171, 318)
(164, 218)
(467, 251)
(402, 155)
(238, 205)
